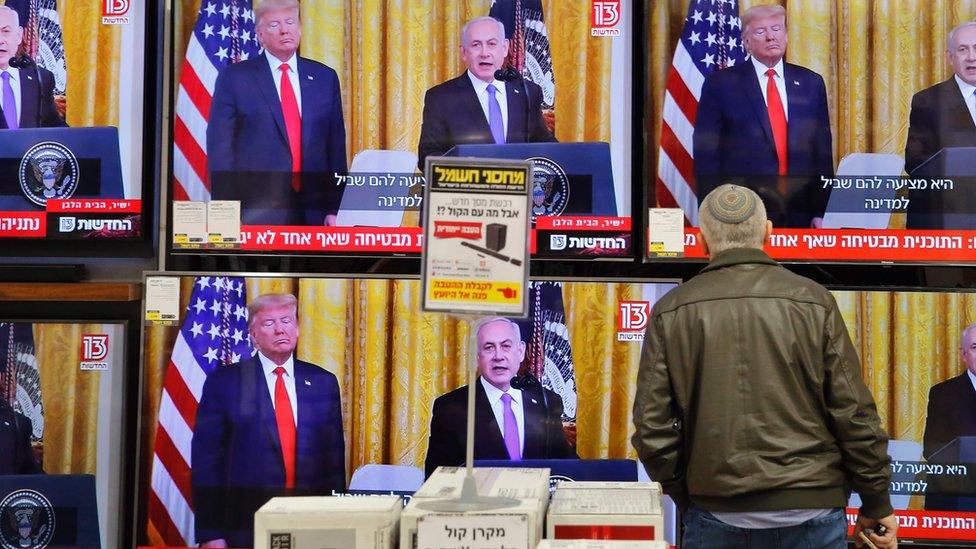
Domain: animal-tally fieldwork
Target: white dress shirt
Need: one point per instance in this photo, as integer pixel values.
(967, 91)
(292, 76)
(778, 79)
(481, 88)
(289, 377)
(15, 84)
(972, 378)
(498, 408)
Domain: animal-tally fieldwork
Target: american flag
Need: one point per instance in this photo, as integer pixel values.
(214, 333)
(711, 40)
(529, 51)
(224, 34)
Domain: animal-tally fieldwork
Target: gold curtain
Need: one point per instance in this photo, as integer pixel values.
(70, 398)
(389, 52)
(93, 57)
(873, 56)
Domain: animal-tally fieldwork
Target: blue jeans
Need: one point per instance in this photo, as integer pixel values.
(704, 531)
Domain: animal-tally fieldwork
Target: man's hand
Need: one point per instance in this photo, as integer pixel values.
(215, 543)
(330, 220)
(872, 527)
(816, 223)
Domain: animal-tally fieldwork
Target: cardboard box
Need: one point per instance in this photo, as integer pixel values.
(600, 544)
(343, 522)
(509, 482)
(606, 510)
(529, 486)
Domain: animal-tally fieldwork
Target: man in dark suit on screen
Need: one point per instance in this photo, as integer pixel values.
(951, 414)
(475, 107)
(764, 124)
(267, 426)
(276, 137)
(509, 423)
(26, 102)
(16, 455)
(944, 115)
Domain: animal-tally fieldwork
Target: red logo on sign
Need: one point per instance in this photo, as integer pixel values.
(115, 8)
(605, 14)
(632, 315)
(94, 347)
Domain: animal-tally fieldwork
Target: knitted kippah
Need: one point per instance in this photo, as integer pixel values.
(732, 204)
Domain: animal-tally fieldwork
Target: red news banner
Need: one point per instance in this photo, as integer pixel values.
(34, 224)
(398, 239)
(860, 245)
(933, 525)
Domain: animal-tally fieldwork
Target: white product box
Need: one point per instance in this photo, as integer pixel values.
(509, 482)
(529, 486)
(600, 544)
(370, 522)
(606, 510)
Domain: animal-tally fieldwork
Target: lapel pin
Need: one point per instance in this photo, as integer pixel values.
(796, 83)
(7, 423)
(309, 77)
(309, 383)
(533, 401)
(515, 90)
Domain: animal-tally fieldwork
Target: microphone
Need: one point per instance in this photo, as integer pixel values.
(528, 382)
(509, 74)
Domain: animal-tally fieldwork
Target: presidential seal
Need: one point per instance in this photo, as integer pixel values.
(26, 520)
(550, 187)
(48, 170)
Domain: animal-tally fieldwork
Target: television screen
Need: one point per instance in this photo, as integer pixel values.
(76, 154)
(330, 159)
(858, 141)
(62, 396)
(376, 379)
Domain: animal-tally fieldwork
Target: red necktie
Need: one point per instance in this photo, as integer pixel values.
(286, 427)
(777, 118)
(293, 125)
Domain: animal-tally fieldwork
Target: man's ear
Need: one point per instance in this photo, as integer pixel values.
(704, 242)
(769, 232)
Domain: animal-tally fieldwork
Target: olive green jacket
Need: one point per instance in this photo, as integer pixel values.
(750, 397)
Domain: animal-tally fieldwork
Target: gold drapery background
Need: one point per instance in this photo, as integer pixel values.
(389, 52)
(392, 361)
(70, 397)
(872, 55)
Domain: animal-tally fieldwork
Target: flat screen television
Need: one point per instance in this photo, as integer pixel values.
(66, 381)
(864, 173)
(354, 185)
(79, 162)
(389, 361)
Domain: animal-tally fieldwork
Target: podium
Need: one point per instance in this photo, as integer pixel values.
(41, 163)
(48, 511)
(955, 209)
(576, 178)
(953, 492)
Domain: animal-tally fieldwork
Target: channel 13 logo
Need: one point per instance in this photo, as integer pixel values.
(94, 347)
(632, 315)
(604, 18)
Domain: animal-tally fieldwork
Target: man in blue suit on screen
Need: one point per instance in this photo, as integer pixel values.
(764, 124)
(276, 137)
(267, 426)
(476, 108)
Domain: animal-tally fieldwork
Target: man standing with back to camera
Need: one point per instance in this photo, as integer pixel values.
(750, 409)
(270, 425)
(20, 90)
(276, 136)
(475, 107)
(765, 121)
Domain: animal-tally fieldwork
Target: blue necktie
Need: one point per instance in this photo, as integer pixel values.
(9, 104)
(495, 116)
